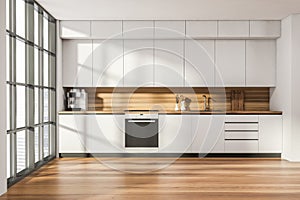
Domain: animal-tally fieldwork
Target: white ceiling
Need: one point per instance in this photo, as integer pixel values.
(170, 9)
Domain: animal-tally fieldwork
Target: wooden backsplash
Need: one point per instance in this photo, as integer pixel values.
(253, 99)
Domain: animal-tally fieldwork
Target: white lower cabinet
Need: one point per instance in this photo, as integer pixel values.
(73, 130)
(106, 134)
(270, 134)
(241, 146)
(207, 134)
(175, 133)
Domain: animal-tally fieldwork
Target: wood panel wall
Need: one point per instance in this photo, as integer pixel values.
(253, 99)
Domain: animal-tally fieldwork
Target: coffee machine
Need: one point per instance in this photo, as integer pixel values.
(77, 100)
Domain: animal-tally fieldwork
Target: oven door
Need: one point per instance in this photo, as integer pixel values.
(141, 133)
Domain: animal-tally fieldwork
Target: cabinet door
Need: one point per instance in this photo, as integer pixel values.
(75, 29)
(169, 29)
(107, 63)
(230, 63)
(202, 29)
(199, 63)
(138, 63)
(138, 29)
(174, 133)
(270, 134)
(106, 29)
(261, 63)
(233, 29)
(106, 135)
(77, 62)
(72, 133)
(207, 134)
(169, 62)
(265, 29)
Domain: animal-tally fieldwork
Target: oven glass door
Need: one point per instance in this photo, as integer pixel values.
(141, 133)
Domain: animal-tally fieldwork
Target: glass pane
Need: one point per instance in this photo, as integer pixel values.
(8, 107)
(36, 145)
(52, 105)
(46, 105)
(21, 151)
(52, 72)
(46, 69)
(20, 106)
(20, 18)
(8, 155)
(20, 61)
(7, 58)
(36, 105)
(46, 141)
(7, 14)
(36, 26)
(36, 66)
(52, 34)
(45, 32)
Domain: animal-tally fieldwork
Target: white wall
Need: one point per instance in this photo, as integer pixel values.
(60, 91)
(3, 180)
(286, 95)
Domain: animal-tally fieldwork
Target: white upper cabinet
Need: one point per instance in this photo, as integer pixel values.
(169, 29)
(230, 63)
(175, 133)
(233, 29)
(169, 60)
(106, 29)
(107, 63)
(138, 63)
(199, 63)
(75, 29)
(77, 63)
(270, 134)
(265, 29)
(138, 29)
(261, 63)
(201, 29)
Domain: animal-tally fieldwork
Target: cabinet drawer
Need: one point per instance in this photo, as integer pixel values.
(241, 126)
(240, 146)
(237, 135)
(241, 118)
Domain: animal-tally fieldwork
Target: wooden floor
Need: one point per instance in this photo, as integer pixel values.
(186, 178)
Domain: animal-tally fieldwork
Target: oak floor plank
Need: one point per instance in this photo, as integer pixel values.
(184, 178)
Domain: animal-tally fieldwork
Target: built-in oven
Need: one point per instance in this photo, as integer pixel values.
(141, 130)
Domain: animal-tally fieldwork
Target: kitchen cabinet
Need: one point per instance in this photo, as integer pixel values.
(169, 29)
(230, 63)
(232, 29)
(138, 63)
(106, 135)
(73, 130)
(107, 63)
(106, 29)
(261, 63)
(77, 63)
(138, 29)
(201, 29)
(241, 134)
(199, 63)
(270, 134)
(75, 29)
(207, 134)
(169, 63)
(175, 133)
(265, 29)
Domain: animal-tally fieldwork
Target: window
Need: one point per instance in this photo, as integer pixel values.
(31, 91)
